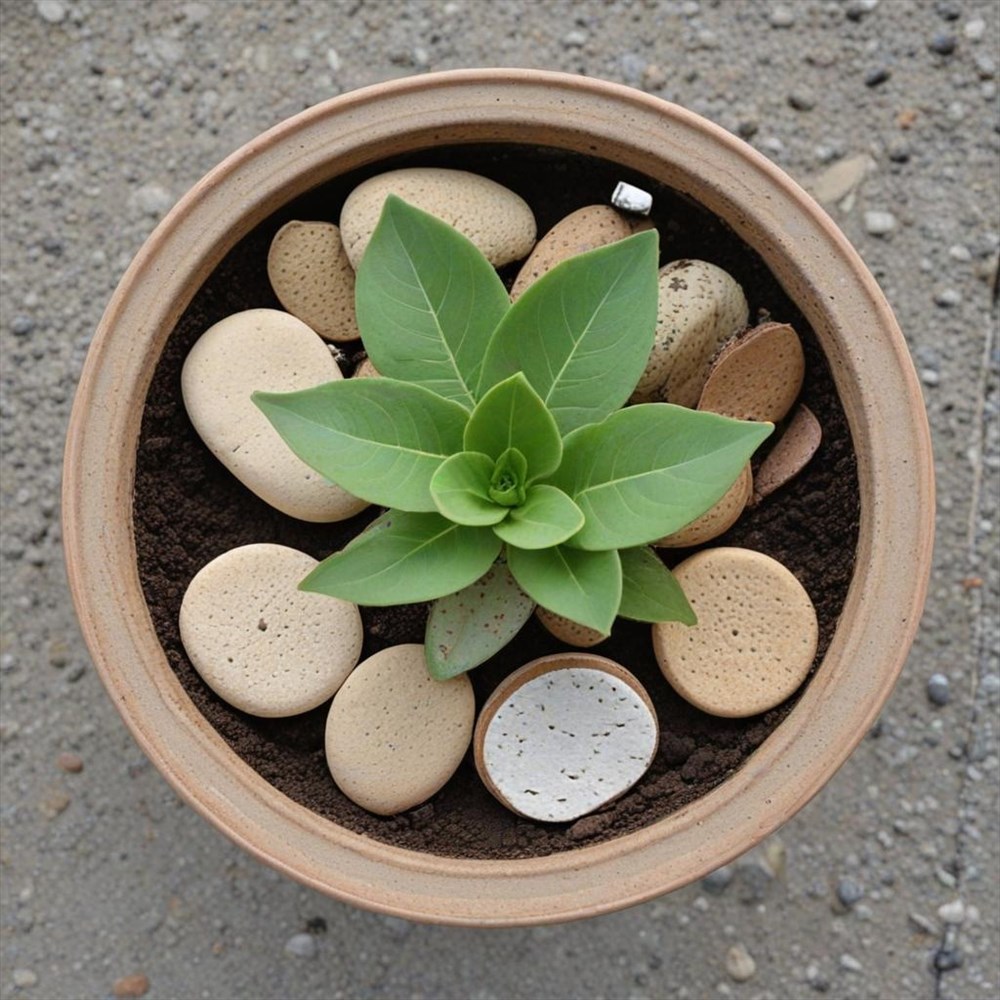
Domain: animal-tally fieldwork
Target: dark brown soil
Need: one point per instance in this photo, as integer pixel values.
(189, 509)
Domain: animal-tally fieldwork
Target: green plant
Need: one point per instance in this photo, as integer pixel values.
(497, 439)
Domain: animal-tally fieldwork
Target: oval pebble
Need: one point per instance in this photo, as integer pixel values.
(585, 229)
(269, 350)
(570, 632)
(394, 735)
(755, 639)
(259, 642)
(313, 278)
(757, 377)
(791, 453)
(700, 308)
(564, 735)
(715, 520)
(498, 221)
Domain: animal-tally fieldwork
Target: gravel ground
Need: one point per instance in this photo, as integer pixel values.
(885, 886)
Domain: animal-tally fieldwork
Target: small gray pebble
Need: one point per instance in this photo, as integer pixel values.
(943, 44)
(960, 252)
(716, 882)
(849, 892)
(781, 17)
(930, 377)
(985, 67)
(974, 29)
(876, 76)
(633, 67)
(850, 963)
(574, 39)
(948, 10)
(802, 100)
(899, 151)
(53, 11)
(946, 959)
(947, 298)
(24, 978)
(938, 689)
(755, 881)
(879, 223)
(301, 946)
(22, 325)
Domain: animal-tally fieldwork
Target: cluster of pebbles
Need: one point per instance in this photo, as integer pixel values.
(563, 735)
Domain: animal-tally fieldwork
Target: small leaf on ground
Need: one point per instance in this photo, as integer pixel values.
(467, 628)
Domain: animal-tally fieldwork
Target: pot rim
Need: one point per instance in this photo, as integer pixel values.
(820, 271)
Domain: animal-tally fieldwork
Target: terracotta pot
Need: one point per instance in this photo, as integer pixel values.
(813, 262)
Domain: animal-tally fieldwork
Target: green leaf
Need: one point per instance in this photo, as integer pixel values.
(507, 483)
(650, 469)
(427, 302)
(585, 587)
(466, 628)
(407, 558)
(583, 332)
(546, 518)
(650, 592)
(461, 489)
(512, 415)
(380, 439)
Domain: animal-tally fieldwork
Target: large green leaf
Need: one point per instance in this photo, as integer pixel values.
(585, 587)
(466, 628)
(380, 439)
(547, 517)
(648, 470)
(427, 302)
(461, 489)
(583, 332)
(407, 558)
(650, 592)
(512, 415)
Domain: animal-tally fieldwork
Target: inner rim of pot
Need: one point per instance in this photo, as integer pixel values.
(188, 510)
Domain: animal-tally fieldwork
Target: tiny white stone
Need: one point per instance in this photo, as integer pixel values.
(53, 11)
(740, 963)
(879, 223)
(953, 912)
(629, 198)
(960, 253)
(850, 963)
(974, 29)
(23, 978)
(301, 946)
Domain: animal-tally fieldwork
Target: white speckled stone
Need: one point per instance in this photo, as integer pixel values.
(498, 221)
(269, 350)
(395, 735)
(259, 642)
(565, 735)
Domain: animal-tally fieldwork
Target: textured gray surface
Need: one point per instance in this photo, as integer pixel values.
(110, 111)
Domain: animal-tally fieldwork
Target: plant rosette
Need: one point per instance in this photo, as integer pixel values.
(499, 441)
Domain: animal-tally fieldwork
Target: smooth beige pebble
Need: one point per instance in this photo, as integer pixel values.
(570, 632)
(261, 349)
(259, 642)
(564, 735)
(757, 377)
(585, 229)
(700, 308)
(394, 735)
(755, 639)
(716, 520)
(313, 278)
(498, 221)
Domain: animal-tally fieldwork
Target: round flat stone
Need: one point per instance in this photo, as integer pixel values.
(565, 735)
(395, 735)
(259, 642)
(755, 639)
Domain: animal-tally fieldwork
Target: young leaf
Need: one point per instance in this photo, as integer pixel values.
(512, 415)
(585, 587)
(650, 592)
(427, 302)
(650, 469)
(507, 483)
(408, 558)
(546, 518)
(582, 333)
(380, 439)
(461, 489)
(467, 628)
